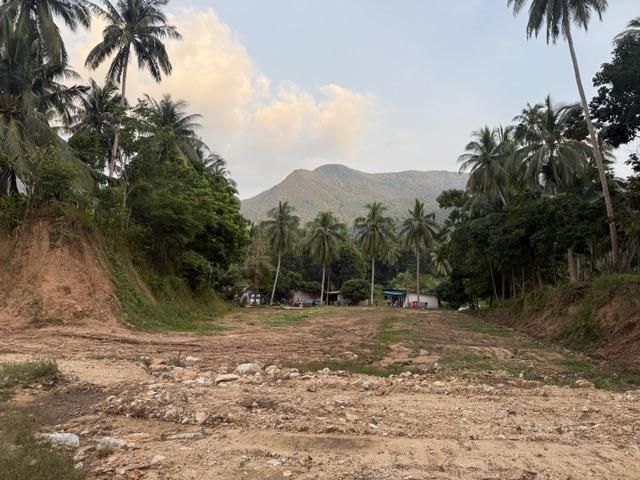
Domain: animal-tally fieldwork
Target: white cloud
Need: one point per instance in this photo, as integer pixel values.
(262, 131)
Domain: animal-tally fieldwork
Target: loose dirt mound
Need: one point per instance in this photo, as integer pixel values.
(53, 275)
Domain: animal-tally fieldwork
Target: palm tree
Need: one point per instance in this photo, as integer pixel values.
(97, 108)
(37, 18)
(374, 232)
(25, 100)
(176, 129)
(279, 229)
(135, 26)
(633, 30)
(326, 233)
(548, 156)
(440, 260)
(485, 159)
(418, 230)
(557, 16)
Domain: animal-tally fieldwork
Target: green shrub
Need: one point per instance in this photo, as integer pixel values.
(355, 291)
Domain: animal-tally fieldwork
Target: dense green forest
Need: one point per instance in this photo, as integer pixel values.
(542, 205)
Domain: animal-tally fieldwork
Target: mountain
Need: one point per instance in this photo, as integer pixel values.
(345, 191)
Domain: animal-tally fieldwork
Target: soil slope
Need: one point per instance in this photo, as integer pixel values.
(53, 275)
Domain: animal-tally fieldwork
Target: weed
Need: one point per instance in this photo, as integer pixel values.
(146, 361)
(23, 458)
(106, 451)
(480, 326)
(600, 377)
(176, 309)
(176, 361)
(27, 373)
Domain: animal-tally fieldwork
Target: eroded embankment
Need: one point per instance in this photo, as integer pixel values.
(601, 318)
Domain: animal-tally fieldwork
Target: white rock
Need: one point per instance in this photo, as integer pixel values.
(63, 439)
(157, 460)
(248, 369)
(109, 442)
(226, 377)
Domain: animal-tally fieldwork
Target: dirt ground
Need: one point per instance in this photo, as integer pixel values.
(332, 393)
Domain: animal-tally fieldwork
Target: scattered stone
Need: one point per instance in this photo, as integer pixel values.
(582, 383)
(226, 377)
(182, 436)
(311, 388)
(274, 462)
(63, 439)
(202, 417)
(272, 370)
(81, 454)
(366, 385)
(248, 369)
(109, 442)
(157, 460)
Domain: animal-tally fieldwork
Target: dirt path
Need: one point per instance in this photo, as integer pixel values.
(465, 400)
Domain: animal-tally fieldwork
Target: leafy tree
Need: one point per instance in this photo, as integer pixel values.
(355, 291)
(617, 103)
(557, 17)
(325, 236)
(134, 26)
(279, 226)
(418, 230)
(374, 233)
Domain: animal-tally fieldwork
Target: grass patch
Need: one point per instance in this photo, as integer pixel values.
(459, 361)
(287, 318)
(480, 326)
(27, 373)
(175, 308)
(23, 458)
(600, 377)
(389, 332)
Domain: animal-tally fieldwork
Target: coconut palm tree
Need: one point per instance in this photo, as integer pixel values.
(175, 128)
(279, 228)
(25, 100)
(134, 26)
(97, 108)
(325, 236)
(374, 233)
(486, 161)
(633, 30)
(556, 17)
(418, 231)
(548, 156)
(36, 17)
(440, 260)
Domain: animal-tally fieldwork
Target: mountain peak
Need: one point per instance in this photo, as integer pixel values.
(345, 191)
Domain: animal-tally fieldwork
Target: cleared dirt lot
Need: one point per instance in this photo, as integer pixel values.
(333, 393)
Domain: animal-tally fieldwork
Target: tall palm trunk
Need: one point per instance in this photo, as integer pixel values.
(418, 274)
(373, 270)
(275, 281)
(615, 250)
(324, 268)
(116, 137)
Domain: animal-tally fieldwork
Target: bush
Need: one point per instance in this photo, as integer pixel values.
(355, 291)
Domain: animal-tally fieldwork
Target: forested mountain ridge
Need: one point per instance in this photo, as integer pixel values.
(345, 191)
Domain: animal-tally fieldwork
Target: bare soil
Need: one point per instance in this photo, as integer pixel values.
(451, 397)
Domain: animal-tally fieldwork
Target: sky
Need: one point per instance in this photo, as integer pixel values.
(377, 85)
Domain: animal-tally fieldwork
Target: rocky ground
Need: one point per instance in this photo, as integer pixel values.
(331, 394)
